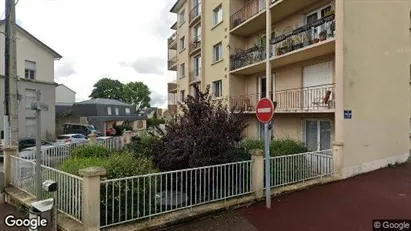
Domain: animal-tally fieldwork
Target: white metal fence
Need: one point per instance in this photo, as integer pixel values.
(138, 197)
(295, 168)
(69, 186)
(116, 143)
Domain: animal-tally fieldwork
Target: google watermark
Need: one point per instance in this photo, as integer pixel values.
(35, 223)
(402, 225)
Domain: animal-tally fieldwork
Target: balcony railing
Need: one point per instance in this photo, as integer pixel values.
(172, 38)
(196, 11)
(244, 58)
(307, 35)
(315, 98)
(172, 61)
(195, 44)
(249, 10)
(195, 75)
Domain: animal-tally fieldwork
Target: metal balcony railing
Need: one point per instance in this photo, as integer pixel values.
(172, 61)
(195, 75)
(172, 38)
(195, 44)
(196, 11)
(247, 11)
(244, 58)
(304, 36)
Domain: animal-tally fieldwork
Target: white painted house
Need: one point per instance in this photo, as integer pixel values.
(35, 69)
(65, 95)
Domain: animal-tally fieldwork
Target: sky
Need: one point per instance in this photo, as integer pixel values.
(122, 39)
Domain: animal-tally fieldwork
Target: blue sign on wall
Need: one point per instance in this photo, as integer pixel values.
(347, 114)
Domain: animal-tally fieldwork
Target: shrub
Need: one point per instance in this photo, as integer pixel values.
(120, 128)
(92, 150)
(155, 122)
(204, 133)
(73, 165)
(142, 145)
(277, 147)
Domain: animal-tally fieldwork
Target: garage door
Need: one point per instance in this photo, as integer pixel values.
(315, 80)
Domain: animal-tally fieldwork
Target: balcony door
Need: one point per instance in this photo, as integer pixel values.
(196, 4)
(315, 80)
(197, 67)
(197, 33)
(317, 134)
(262, 86)
(315, 15)
(261, 4)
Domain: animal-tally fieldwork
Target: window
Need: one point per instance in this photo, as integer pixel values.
(29, 69)
(182, 95)
(218, 88)
(182, 70)
(109, 110)
(315, 15)
(317, 134)
(127, 111)
(197, 65)
(30, 97)
(116, 111)
(182, 43)
(197, 33)
(218, 14)
(217, 52)
(181, 17)
(30, 126)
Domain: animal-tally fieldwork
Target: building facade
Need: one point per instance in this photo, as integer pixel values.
(35, 69)
(337, 70)
(65, 95)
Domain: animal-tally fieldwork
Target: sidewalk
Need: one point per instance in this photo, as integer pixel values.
(351, 204)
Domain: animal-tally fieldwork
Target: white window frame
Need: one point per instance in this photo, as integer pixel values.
(127, 111)
(182, 17)
(259, 90)
(218, 14)
(29, 97)
(218, 51)
(304, 135)
(182, 95)
(116, 111)
(197, 33)
(182, 70)
(109, 110)
(182, 43)
(218, 93)
(318, 11)
(197, 67)
(30, 69)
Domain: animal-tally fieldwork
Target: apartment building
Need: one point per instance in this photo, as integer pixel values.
(35, 69)
(338, 69)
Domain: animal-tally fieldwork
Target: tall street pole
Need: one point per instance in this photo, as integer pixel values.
(11, 90)
(38, 147)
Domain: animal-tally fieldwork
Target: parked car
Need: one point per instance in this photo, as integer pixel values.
(49, 157)
(110, 132)
(26, 143)
(84, 129)
(71, 138)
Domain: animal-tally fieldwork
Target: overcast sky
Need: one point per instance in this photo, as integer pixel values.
(121, 39)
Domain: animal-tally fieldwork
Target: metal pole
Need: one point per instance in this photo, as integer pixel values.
(55, 208)
(38, 147)
(6, 120)
(267, 166)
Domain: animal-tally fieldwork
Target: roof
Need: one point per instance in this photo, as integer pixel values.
(174, 26)
(62, 109)
(102, 101)
(117, 118)
(65, 87)
(176, 7)
(34, 39)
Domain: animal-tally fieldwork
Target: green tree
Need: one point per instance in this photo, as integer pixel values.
(108, 89)
(137, 94)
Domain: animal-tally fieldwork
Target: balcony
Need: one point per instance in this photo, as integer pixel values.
(249, 19)
(195, 14)
(172, 86)
(299, 100)
(195, 76)
(172, 41)
(195, 46)
(303, 43)
(172, 63)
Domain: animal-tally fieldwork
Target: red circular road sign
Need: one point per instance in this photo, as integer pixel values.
(265, 110)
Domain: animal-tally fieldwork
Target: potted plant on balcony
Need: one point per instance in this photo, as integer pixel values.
(279, 51)
(297, 43)
(323, 35)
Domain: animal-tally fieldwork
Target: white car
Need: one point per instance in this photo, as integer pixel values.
(50, 156)
(71, 138)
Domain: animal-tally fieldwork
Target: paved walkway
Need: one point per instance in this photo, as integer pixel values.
(351, 204)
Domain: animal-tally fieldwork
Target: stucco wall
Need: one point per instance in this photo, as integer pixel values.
(65, 95)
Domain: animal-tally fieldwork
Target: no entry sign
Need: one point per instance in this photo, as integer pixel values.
(265, 110)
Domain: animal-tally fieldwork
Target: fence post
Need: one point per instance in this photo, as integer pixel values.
(8, 152)
(91, 197)
(257, 157)
(92, 138)
(127, 137)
